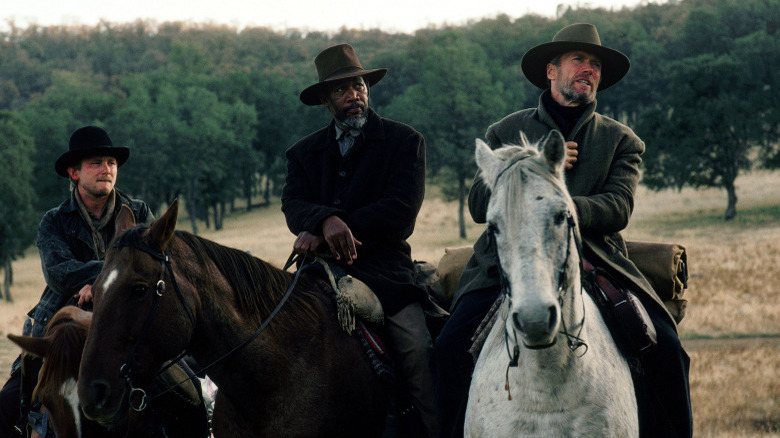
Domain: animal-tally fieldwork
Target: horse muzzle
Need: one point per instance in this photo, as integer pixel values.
(537, 328)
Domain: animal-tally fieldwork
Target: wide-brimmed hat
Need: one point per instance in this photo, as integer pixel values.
(89, 141)
(579, 36)
(336, 63)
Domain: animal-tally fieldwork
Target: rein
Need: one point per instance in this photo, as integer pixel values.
(138, 398)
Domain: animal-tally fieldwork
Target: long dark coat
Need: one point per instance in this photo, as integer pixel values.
(602, 185)
(377, 189)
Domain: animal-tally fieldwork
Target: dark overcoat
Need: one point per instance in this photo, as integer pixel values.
(377, 189)
(601, 183)
(68, 254)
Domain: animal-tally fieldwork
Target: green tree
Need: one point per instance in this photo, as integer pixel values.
(452, 105)
(18, 224)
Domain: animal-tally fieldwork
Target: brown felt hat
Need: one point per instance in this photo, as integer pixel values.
(89, 141)
(579, 36)
(334, 64)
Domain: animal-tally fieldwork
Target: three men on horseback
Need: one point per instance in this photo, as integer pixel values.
(602, 173)
(354, 188)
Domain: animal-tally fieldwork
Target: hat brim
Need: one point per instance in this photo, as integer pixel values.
(614, 65)
(311, 95)
(70, 158)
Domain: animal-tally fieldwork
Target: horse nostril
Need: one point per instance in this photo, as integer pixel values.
(553, 318)
(100, 391)
(517, 321)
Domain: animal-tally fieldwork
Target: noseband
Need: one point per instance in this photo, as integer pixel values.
(574, 341)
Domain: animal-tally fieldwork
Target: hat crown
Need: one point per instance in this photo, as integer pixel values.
(336, 60)
(578, 33)
(89, 137)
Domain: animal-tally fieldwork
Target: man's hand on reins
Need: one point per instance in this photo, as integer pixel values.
(340, 239)
(307, 243)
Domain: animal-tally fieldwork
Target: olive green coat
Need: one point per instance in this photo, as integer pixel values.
(602, 185)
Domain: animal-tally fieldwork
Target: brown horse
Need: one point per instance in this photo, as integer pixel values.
(62, 347)
(282, 369)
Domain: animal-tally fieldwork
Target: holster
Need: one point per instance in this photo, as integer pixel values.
(628, 321)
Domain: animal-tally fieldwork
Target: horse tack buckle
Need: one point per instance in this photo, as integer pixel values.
(160, 288)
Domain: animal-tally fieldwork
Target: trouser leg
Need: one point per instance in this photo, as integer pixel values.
(666, 408)
(10, 404)
(412, 346)
(452, 363)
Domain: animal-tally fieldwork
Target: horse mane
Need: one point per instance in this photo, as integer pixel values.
(257, 285)
(68, 337)
(523, 158)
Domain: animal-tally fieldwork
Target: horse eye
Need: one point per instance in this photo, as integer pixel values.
(560, 217)
(140, 290)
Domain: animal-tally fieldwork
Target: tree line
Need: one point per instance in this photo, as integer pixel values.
(208, 110)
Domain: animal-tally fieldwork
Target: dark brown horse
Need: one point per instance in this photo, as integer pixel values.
(301, 376)
(62, 347)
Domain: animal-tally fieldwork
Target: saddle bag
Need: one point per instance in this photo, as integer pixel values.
(628, 321)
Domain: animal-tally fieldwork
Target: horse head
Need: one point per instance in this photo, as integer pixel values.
(61, 346)
(532, 221)
(136, 325)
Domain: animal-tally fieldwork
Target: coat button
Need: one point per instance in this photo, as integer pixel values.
(342, 173)
(336, 201)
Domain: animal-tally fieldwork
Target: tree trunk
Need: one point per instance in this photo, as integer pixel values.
(461, 206)
(267, 191)
(731, 210)
(9, 279)
(192, 207)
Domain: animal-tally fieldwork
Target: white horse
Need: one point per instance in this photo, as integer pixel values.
(579, 386)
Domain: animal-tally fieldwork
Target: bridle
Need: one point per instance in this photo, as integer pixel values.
(574, 341)
(138, 399)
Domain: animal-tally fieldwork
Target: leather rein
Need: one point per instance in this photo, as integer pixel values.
(138, 399)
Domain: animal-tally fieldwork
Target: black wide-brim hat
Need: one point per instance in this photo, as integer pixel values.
(334, 64)
(89, 141)
(578, 36)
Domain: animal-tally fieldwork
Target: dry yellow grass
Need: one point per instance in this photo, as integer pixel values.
(733, 288)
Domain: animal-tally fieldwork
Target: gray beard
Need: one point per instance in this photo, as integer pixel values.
(354, 122)
(568, 93)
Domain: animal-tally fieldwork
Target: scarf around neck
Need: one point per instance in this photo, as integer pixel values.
(97, 225)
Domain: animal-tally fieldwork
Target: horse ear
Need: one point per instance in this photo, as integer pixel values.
(162, 229)
(486, 160)
(124, 220)
(37, 346)
(554, 150)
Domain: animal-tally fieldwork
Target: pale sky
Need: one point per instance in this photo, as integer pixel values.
(389, 16)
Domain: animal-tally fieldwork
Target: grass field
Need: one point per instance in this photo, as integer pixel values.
(731, 330)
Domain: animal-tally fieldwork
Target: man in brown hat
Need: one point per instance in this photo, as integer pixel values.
(72, 239)
(354, 188)
(602, 173)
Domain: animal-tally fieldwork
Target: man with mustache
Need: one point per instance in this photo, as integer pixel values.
(354, 188)
(602, 172)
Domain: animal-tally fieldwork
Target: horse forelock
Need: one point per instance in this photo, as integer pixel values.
(64, 356)
(257, 285)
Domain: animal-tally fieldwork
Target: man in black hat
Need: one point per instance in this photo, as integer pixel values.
(354, 188)
(72, 239)
(602, 173)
